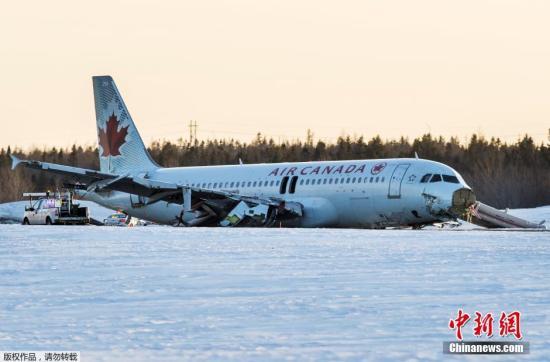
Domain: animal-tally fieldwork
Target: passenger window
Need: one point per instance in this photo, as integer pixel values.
(451, 179)
(301, 181)
(307, 182)
(324, 181)
(436, 178)
(215, 185)
(319, 181)
(382, 179)
(371, 179)
(425, 178)
(353, 180)
(277, 183)
(254, 184)
(330, 181)
(231, 184)
(377, 178)
(271, 183)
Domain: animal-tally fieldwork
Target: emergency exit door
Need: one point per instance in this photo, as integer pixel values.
(396, 180)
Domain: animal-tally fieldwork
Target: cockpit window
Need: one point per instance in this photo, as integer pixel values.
(436, 178)
(425, 178)
(451, 179)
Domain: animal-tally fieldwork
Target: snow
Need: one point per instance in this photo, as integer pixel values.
(271, 294)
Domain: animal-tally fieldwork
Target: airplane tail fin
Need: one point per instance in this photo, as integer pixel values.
(121, 148)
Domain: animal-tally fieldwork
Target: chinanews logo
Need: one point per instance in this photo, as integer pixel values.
(111, 138)
(509, 325)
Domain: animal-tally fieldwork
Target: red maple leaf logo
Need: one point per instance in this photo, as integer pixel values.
(376, 169)
(111, 138)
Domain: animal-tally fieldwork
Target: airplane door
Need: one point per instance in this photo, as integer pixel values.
(394, 191)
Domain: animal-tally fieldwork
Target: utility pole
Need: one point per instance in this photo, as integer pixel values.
(309, 137)
(193, 132)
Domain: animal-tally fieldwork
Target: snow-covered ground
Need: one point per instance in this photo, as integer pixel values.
(270, 294)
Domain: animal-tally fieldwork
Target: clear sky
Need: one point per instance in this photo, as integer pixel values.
(393, 68)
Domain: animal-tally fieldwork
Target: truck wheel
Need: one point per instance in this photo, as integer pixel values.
(48, 221)
(26, 221)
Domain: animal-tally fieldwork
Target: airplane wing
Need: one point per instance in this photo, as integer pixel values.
(221, 203)
(75, 173)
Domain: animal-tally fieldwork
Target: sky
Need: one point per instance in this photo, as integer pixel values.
(393, 68)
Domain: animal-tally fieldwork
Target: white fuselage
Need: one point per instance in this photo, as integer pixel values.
(358, 193)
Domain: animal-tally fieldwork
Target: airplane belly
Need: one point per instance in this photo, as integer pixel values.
(160, 212)
(318, 212)
(359, 213)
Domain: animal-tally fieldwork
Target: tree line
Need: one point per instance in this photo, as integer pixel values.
(503, 175)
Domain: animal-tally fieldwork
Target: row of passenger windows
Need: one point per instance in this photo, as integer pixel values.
(319, 181)
(438, 178)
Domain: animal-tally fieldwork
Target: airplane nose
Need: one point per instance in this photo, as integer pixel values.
(462, 199)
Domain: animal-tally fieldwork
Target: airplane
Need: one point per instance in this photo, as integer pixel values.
(381, 193)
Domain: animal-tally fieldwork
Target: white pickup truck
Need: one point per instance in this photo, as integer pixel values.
(57, 208)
